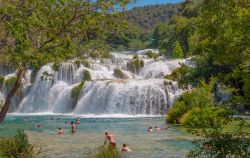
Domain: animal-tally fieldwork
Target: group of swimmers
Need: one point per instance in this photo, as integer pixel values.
(112, 143)
(150, 129)
(108, 137)
(73, 127)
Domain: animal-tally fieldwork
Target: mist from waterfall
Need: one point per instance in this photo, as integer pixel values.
(143, 93)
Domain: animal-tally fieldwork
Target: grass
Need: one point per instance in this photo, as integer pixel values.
(106, 153)
(17, 147)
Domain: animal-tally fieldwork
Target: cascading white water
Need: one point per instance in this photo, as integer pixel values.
(144, 93)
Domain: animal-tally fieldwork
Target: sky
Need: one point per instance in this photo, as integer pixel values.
(152, 2)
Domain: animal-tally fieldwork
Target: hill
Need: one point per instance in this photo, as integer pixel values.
(148, 17)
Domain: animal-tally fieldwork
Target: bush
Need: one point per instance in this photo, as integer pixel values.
(75, 93)
(150, 54)
(106, 153)
(1, 82)
(162, 52)
(77, 62)
(17, 147)
(201, 97)
(56, 66)
(175, 113)
(177, 51)
(220, 145)
(86, 76)
(85, 63)
(208, 117)
(119, 74)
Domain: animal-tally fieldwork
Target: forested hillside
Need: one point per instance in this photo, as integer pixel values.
(149, 16)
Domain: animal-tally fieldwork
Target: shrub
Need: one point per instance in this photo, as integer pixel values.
(162, 52)
(56, 66)
(17, 147)
(85, 63)
(201, 97)
(75, 93)
(178, 109)
(150, 54)
(177, 51)
(78, 63)
(207, 117)
(86, 76)
(119, 74)
(1, 82)
(105, 54)
(106, 153)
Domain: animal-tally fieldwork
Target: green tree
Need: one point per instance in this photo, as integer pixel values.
(177, 51)
(36, 32)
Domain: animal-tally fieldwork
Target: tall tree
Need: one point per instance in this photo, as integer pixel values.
(35, 32)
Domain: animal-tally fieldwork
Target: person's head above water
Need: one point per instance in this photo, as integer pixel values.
(60, 128)
(124, 145)
(106, 133)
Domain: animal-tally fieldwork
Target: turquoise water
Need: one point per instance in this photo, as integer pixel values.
(173, 142)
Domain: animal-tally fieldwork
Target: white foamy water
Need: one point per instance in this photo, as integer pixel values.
(143, 94)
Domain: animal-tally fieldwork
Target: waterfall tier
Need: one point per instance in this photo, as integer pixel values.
(63, 91)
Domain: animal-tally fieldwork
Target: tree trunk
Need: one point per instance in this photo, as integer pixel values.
(12, 92)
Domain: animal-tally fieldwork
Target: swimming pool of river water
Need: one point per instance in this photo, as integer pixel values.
(173, 142)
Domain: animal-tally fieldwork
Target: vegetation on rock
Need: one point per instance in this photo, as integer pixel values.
(135, 64)
(118, 73)
(86, 76)
(75, 93)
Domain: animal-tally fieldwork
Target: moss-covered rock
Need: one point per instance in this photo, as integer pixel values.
(75, 93)
(119, 74)
(86, 76)
(135, 64)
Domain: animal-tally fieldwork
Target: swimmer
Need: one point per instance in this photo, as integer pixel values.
(111, 139)
(78, 121)
(38, 126)
(125, 148)
(60, 131)
(157, 128)
(150, 129)
(73, 127)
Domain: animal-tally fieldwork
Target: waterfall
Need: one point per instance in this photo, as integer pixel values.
(144, 93)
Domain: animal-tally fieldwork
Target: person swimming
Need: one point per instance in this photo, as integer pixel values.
(111, 139)
(125, 148)
(73, 127)
(38, 126)
(60, 131)
(157, 128)
(78, 121)
(150, 129)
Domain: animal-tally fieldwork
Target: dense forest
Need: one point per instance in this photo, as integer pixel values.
(149, 16)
